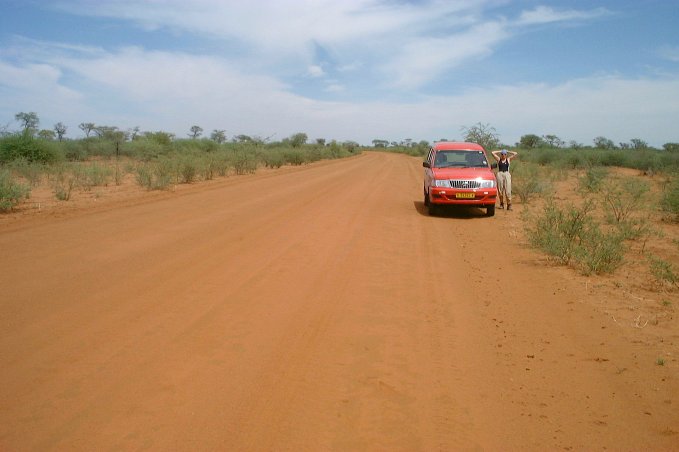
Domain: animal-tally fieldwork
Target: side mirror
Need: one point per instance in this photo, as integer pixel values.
(427, 165)
(493, 165)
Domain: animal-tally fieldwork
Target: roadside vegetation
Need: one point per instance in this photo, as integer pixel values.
(156, 160)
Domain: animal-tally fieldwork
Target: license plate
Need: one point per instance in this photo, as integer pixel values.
(465, 195)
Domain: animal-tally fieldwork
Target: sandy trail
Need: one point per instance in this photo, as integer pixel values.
(313, 309)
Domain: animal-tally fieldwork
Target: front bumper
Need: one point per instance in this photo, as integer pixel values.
(473, 197)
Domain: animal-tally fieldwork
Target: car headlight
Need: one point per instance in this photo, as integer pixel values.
(487, 183)
(441, 183)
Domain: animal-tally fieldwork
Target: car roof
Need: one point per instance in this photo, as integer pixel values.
(457, 146)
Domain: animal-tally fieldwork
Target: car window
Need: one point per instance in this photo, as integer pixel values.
(460, 159)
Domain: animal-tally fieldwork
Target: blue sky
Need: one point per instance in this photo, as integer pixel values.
(347, 70)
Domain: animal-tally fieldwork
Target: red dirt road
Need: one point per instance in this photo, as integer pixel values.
(314, 308)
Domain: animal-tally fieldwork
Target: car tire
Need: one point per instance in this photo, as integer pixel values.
(490, 210)
(426, 199)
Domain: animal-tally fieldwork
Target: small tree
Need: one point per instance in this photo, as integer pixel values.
(196, 131)
(298, 140)
(219, 136)
(243, 139)
(87, 128)
(530, 141)
(133, 133)
(60, 130)
(637, 143)
(47, 134)
(29, 122)
(671, 147)
(160, 137)
(483, 134)
(553, 141)
(603, 143)
(575, 145)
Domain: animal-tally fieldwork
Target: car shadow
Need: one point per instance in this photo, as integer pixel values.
(460, 212)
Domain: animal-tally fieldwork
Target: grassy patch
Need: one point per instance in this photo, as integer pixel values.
(572, 236)
(11, 191)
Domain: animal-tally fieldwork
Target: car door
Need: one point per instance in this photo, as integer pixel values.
(428, 174)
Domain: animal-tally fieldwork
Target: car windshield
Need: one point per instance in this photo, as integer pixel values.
(460, 159)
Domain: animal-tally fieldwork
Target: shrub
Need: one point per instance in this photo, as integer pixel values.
(154, 176)
(527, 181)
(24, 146)
(188, 169)
(273, 159)
(592, 180)
(63, 182)
(94, 175)
(11, 192)
(670, 200)
(145, 149)
(294, 157)
(558, 231)
(244, 162)
(573, 237)
(220, 162)
(74, 150)
(30, 171)
(599, 252)
(623, 197)
(663, 271)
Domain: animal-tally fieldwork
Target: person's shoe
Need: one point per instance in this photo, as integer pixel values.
(502, 206)
(509, 207)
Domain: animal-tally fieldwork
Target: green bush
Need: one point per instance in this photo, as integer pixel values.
(32, 172)
(154, 176)
(188, 169)
(74, 151)
(273, 159)
(599, 252)
(145, 149)
(64, 180)
(592, 180)
(24, 146)
(295, 157)
(669, 202)
(244, 162)
(11, 192)
(571, 236)
(528, 181)
(662, 271)
(623, 198)
(94, 175)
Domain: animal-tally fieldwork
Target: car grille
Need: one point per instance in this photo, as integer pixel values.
(464, 183)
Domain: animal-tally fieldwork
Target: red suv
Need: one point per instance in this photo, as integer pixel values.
(458, 174)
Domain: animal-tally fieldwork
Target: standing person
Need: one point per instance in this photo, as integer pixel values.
(504, 178)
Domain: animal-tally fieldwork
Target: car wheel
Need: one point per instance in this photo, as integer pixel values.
(426, 198)
(490, 210)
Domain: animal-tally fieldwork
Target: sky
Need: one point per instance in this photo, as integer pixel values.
(346, 70)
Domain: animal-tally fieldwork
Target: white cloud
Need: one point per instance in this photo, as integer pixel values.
(422, 60)
(315, 71)
(172, 91)
(334, 87)
(545, 14)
